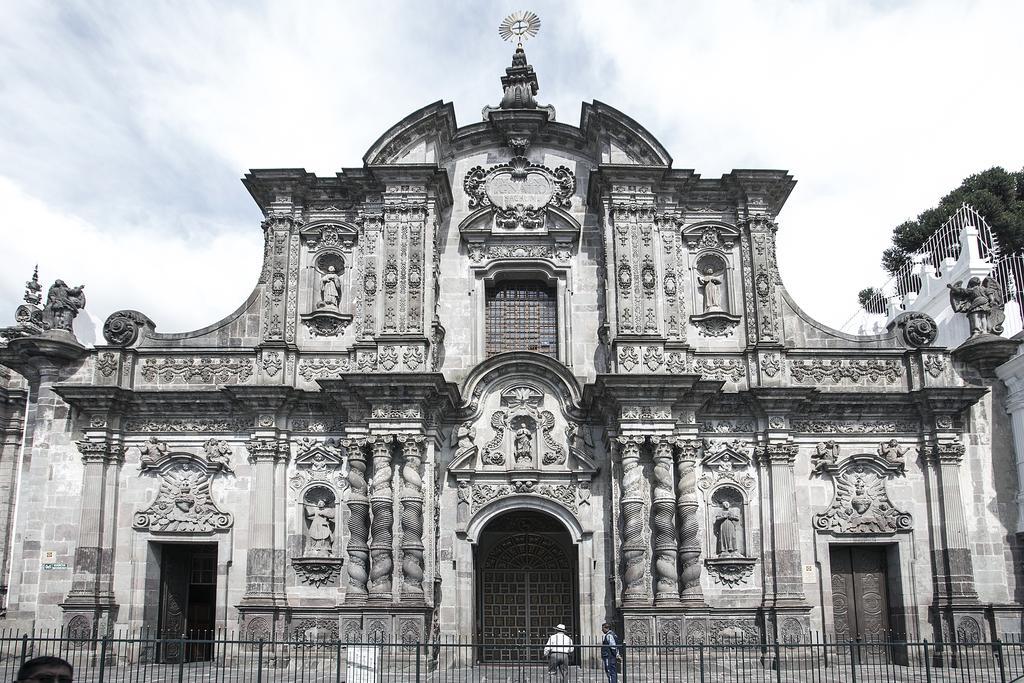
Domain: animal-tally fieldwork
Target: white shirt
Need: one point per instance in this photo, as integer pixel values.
(558, 642)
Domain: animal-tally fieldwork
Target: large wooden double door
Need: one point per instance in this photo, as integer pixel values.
(860, 600)
(188, 597)
(527, 585)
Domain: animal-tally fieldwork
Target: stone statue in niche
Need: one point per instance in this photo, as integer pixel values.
(728, 528)
(319, 541)
(330, 288)
(523, 444)
(712, 284)
(982, 301)
(62, 305)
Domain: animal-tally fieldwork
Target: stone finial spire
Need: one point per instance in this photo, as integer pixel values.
(519, 82)
(33, 290)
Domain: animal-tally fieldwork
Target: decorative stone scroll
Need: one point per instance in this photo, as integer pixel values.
(123, 327)
(183, 503)
(520, 192)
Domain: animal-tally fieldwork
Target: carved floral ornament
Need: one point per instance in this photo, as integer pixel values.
(520, 192)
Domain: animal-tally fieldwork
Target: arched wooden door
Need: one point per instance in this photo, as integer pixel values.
(527, 579)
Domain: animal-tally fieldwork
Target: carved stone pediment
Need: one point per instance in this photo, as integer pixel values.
(183, 503)
(319, 461)
(726, 462)
(860, 502)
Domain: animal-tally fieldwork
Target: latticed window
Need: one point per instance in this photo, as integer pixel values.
(521, 316)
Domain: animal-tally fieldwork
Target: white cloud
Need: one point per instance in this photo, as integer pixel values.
(124, 127)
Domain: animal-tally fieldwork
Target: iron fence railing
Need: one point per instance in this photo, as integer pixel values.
(226, 658)
(944, 244)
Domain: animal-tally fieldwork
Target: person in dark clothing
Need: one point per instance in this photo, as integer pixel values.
(610, 653)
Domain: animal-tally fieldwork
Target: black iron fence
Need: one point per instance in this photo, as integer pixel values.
(225, 658)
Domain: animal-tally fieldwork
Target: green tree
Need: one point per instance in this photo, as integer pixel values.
(997, 194)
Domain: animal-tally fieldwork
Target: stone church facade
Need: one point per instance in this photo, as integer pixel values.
(498, 377)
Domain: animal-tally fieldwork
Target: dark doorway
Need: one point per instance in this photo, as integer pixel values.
(188, 600)
(527, 581)
(860, 596)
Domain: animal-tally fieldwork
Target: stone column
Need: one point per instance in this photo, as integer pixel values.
(264, 583)
(778, 459)
(666, 555)
(412, 518)
(382, 536)
(689, 525)
(954, 546)
(634, 550)
(358, 523)
(92, 581)
(1012, 374)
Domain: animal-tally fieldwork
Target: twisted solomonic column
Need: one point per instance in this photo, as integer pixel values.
(381, 559)
(689, 525)
(412, 518)
(666, 575)
(358, 522)
(634, 550)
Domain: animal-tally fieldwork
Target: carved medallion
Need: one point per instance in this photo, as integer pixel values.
(520, 191)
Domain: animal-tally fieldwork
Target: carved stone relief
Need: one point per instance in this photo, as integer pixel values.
(519, 192)
(860, 504)
(837, 370)
(183, 503)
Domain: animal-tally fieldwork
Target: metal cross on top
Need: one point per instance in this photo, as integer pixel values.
(520, 26)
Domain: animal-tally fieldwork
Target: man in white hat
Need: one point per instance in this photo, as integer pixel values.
(557, 651)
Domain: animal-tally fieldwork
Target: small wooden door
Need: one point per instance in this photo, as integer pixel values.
(860, 601)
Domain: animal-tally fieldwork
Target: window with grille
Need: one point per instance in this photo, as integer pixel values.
(521, 316)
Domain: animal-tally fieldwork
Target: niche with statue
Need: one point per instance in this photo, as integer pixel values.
(320, 561)
(714, 301)
(729, 561)
(328, 280)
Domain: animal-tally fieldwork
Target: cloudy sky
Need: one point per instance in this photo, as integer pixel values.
(125, 126)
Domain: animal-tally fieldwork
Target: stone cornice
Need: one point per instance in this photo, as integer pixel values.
(947, 400)
(430, 390)
(780, 400)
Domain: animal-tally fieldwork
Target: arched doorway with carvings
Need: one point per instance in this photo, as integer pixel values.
(527, 580)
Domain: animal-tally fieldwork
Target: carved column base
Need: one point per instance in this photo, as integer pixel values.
(88, 619)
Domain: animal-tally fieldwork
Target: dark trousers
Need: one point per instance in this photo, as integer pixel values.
(611, 669)
(558, 662)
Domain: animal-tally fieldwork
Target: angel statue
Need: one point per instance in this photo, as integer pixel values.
(982, 301)
(320, 532)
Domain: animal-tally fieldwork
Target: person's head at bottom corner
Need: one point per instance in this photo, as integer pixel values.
(45, 670)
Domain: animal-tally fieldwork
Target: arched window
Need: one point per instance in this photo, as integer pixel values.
(521, 315)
